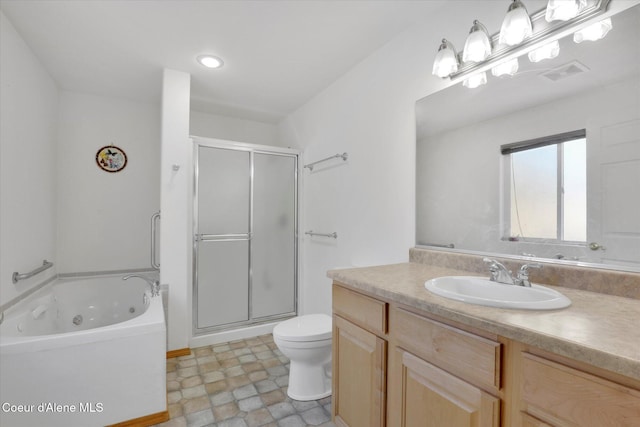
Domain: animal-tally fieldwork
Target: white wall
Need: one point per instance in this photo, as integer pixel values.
(369, 113)
(233, 129)
(104, 218)
(176, 236)
(28, 111)
(55, 202)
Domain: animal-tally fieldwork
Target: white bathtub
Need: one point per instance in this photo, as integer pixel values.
(83, 352)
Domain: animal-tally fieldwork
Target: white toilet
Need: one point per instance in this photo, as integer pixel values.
(306, 341)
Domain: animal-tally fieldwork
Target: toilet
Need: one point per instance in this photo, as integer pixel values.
(306, 341)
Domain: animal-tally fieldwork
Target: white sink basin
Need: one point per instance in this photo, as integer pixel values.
(481, 291)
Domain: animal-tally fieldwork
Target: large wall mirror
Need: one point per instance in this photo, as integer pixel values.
(470, 189)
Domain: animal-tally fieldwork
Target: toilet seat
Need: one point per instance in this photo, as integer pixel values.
(310, 327)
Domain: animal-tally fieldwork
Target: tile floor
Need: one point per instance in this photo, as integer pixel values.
(237, 384)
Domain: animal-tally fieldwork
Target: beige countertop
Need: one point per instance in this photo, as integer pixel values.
(598, 329)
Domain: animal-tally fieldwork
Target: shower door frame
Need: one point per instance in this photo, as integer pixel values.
(252, 149)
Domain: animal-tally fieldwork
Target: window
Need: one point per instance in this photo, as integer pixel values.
(547, 188)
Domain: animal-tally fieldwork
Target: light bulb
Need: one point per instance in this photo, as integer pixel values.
(593, 32)
(508, 68)
(475, 80)
(563, 10)
(477, 47)
(516, 25)
(210, 61)
(446, 62)
(547, 51)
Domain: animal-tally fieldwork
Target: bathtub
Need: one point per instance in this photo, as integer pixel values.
(83, 352)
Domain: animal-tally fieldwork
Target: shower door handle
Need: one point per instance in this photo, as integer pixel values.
(222, 237)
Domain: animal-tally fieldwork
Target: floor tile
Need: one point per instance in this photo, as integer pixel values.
(242, 383)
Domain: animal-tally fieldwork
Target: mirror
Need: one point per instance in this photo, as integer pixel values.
(462, 179)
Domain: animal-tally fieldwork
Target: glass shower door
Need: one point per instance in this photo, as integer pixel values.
(245, 250)
(223, 236)
(273, 248)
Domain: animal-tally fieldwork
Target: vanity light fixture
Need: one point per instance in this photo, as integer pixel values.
(446, 62)
(210, 61)
(516, 25)
(520, 34)
(547, 51)
(563, 10)
(593, 32)
(477, 47)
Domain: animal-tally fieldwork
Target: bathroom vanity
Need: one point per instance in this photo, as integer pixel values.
(403, 356)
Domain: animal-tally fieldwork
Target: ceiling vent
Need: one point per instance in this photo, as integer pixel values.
(564, 71)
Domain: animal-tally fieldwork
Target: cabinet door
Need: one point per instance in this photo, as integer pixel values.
(359, 363)
(431, 397)
(563, 396)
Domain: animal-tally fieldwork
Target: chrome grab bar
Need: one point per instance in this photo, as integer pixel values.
(154, 231)
(333, 235)
(344, 157)
(17, 276)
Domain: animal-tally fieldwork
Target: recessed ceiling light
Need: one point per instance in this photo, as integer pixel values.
(210, 61)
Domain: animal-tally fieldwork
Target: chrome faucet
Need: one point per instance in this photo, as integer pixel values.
(499, 273)
(153, 284)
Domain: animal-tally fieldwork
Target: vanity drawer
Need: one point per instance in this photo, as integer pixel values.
(561, 395)
(471, 357)
(362, 310)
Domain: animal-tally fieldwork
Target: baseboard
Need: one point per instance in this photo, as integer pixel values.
(179, 352)
(146, 421)
(232, 335)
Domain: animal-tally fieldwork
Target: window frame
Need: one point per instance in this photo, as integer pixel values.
(506, 150)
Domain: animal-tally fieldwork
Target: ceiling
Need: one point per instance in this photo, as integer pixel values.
(278, 54)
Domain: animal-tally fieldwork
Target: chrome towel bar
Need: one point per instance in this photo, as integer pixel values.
(333, 235)
(17, 276)
(344, 157)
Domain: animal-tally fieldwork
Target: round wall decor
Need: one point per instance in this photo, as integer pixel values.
(111, 158)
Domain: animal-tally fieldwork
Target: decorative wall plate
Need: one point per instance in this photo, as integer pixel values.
(111, 158)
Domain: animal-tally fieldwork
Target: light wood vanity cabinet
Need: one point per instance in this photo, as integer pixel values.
(359, 359)
(440, 375)
(396, 367)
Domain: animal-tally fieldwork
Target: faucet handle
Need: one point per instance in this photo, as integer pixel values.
(493, 268)
(523, 274)
(524, 270)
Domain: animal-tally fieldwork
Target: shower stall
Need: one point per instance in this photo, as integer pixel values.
(245, 235)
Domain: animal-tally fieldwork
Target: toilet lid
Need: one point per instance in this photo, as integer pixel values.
(310, 327)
